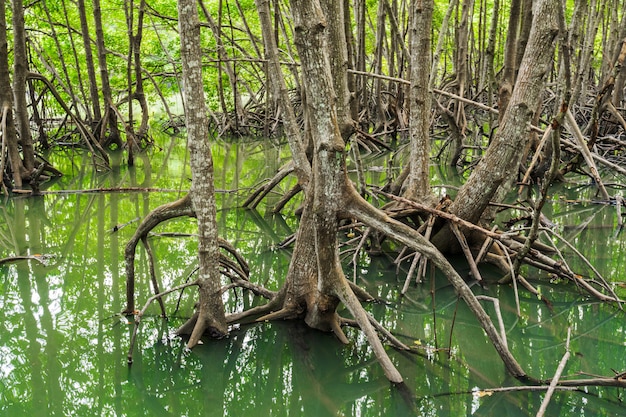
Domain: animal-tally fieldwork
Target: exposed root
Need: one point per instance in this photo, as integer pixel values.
(335, 326)
(515, 244)
(402, 233)
(353, 305)
(274, 304)
(282, 314)
(178, 208)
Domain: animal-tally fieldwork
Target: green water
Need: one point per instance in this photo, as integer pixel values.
(63, 347)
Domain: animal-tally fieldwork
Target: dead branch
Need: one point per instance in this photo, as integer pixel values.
(404, 234)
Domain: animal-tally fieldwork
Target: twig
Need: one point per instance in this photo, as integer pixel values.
(118, 227)
(486, 246)
(466, 251)
(575, 130)
(37, 258)
(355, 260)
(496, 304)
(544, 138)
(586, 261)
(619, 201)
(513, 278)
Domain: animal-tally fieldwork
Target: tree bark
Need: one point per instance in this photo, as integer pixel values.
(503, 156)
(9, 134)
(420, 100)
(91, 69)
(20, 73)
(111, 121)
(210, 316)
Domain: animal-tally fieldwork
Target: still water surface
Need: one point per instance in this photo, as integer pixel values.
(63, 346)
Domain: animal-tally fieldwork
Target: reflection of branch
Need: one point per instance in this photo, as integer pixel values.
(140, 313)
(557, 375)
(38, 258)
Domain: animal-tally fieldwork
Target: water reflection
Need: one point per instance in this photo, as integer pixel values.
(62, 346)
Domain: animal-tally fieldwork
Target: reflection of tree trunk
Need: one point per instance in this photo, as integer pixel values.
(210, 315)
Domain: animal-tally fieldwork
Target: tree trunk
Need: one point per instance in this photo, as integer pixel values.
(510, 54)
(20, 73)
(139, 94)
(9, 134)
(279, 89)
(91, 69)
(210, 316)
(111, 121)
(462, 56)
(503, 155)
(315, 282)
(420, 100)
(339, 62)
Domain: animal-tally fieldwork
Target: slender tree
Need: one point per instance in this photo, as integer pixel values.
(210, 316)
(110, 115)
(420, 100)
(91, 69)
(9, 135)
(20, 73)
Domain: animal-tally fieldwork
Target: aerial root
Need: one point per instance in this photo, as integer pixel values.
(364, 212)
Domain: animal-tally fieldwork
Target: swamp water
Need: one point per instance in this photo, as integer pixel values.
(63, 346)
